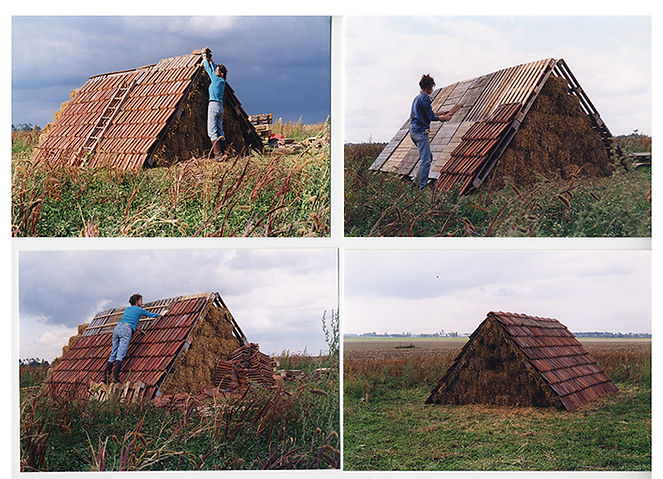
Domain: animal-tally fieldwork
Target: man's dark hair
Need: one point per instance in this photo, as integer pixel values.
(426, 81)
(223, 69)
(134, 299)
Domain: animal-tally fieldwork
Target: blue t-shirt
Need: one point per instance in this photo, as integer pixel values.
(133, 314)
(421, 113)
(217, 85)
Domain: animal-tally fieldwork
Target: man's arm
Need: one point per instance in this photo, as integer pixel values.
(208, 63)
(145, 312)
(426, 109)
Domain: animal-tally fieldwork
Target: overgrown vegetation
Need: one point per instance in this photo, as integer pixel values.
(382, 204)
(293, 427)
(388, 427)
(274, 194)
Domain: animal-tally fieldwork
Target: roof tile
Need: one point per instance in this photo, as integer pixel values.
(558, 356)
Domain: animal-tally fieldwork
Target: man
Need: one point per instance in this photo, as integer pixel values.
(217, 74)
(421, 114)
(122, 335)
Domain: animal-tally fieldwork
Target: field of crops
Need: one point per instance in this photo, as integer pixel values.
(387, 426)
(281, 193)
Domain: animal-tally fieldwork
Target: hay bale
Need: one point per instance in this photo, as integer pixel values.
(65, 349)
(490, 371)
(58, 114)
(556, 140)
(212, 339)
(186, 136)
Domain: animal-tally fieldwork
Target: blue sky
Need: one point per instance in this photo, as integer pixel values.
(278, 65)
(385, 57)
(426, 291)
(277, 296)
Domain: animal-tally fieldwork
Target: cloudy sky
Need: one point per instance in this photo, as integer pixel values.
(429, 291)
(278, 65)
(277, 296)
(386, 56)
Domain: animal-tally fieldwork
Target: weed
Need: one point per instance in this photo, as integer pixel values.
(388, 427)
(256, 195)
(381, 204)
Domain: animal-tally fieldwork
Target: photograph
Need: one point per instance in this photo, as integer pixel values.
(497, 360)
(170, 126)
(178, 360)
(498, 126)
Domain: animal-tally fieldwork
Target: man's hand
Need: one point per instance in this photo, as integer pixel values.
(446, 115)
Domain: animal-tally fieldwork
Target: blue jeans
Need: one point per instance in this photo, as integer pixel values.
(425, 157)
(121, 336)
(215, 121)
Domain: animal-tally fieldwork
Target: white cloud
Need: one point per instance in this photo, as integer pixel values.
(42, 339)
(587, 291)
(385, 57)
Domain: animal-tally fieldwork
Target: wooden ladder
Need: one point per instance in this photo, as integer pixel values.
(106, 118)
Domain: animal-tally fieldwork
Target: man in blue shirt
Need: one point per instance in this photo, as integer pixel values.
(122, 335)
(421, 114)
(217, 75)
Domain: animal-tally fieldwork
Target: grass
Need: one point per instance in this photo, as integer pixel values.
(291, 428)
(388, 427)
(381, 204)
(257, 195)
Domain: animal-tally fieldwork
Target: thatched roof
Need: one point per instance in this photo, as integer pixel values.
(522, 360)
(151, 356)
(119, 119)
(466, 148)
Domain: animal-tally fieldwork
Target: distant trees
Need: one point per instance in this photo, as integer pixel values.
(25, 127)
(32, 361)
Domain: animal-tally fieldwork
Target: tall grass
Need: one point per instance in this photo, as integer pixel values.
(381, 204)
(284, 428)
(255, 195)
(369, 379)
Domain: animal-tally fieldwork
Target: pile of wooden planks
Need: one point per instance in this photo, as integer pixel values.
(127, 391)
(246, 364)
(262, 124)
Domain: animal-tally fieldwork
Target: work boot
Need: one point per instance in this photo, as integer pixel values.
(218, 148)
(108, 372)
(116, 371)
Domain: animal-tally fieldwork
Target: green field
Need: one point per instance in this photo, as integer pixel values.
(275, 194)
(385, 204)
(387, 426)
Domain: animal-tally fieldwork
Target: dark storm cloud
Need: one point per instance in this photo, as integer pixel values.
(278, 65)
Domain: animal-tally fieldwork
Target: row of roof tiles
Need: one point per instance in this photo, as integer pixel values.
(148, 355)
(143, 115)
(518, 319)
(544, 341)
(566, 374)
(553, 352)
(549, 364)
(577, 399)
(475, 147)
(558, 356)
(576, 384)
